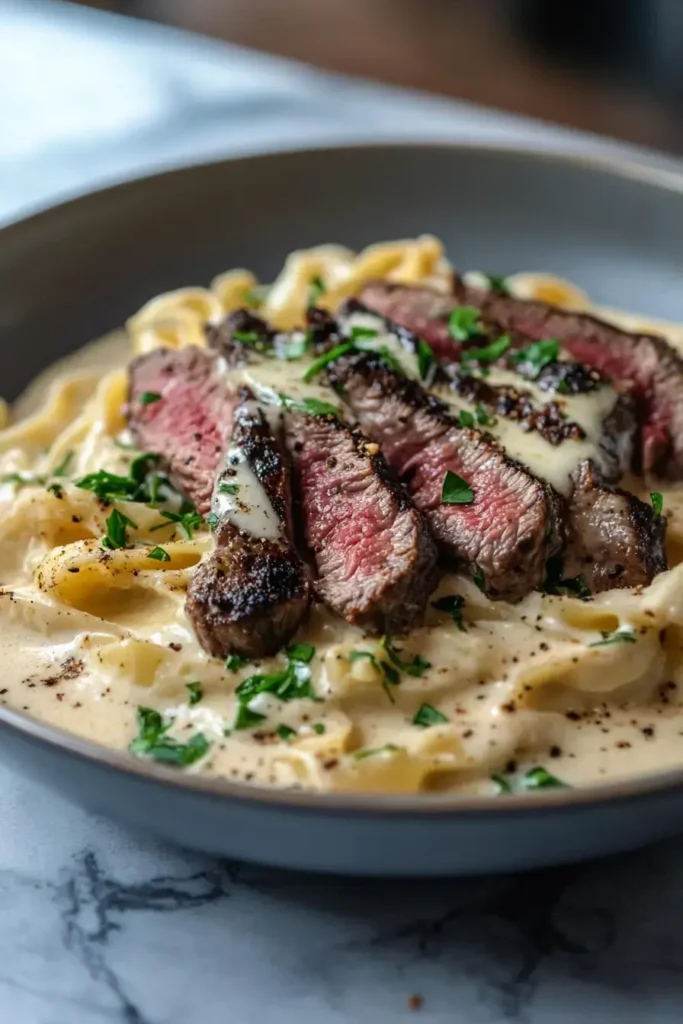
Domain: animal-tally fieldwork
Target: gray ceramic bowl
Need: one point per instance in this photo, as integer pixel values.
(78, 270)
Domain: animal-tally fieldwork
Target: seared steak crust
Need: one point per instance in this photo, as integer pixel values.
(422, 311)
(514, 522)
(646, 362)
(240, 332)
(189, 424)
(375, 558)
(615, 539)
(250, 596)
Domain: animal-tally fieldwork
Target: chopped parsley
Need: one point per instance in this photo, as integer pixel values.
(291, 683)
(234, 662)
(388, 748)
(625, 635)
(247, 337)
(311, 406)
(478, 578)
(224, 488)
(455, 490)
(212, 521)
(358, 333)
(535, 778)
(488, 353)
(194, 693)
(453, 604)
(427, 715)
(657, 502)
(536, 356)
(390, 677)
(555, 583)
(159, 554)
(63, 468)
(153, 742)
(149, 397)
(465, 418)
(417, 666)
(57, 490)
(497, 283)
(328, 357)
(285, 732)
(426, 361)
(116, 524)
(316, 290)
(143, 483)
(318, 727)
(483, 417)
(187, 521)
(464, 323)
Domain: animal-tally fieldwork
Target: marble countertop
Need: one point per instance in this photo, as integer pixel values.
(99, 925)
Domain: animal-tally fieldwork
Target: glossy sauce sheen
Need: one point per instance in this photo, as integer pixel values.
(532, 683)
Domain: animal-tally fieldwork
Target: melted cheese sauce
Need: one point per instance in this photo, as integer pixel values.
(90, 635)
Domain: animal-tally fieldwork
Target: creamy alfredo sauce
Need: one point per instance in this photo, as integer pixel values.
(90, 636)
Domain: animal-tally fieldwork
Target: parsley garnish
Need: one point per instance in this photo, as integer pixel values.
(212, 521)
(487, 354)
(63, 468)
(153, 742)
(149, 397)
(234, 662)
(318, 728)
(537, 355)
(388, 748)
(426, 360)
(57, 490)
(141, 485)
(657, 502)
(427, 715)
(478, 578)
(224, 488)
(188, 521)
(483, 418)
(328, 357)
(453, 604)
(497, 284)
(455, 490)
(535, 778)
(465, 418)
(292, 683)
(194, 693)
(416, 667)
(619, 636)
(357, 333)
(464, 323)
(116, 530)
(316, 290)
(285, 732)
(159, 554)
(247, 337)
(388, 673)
(555, 583)
(311, 406)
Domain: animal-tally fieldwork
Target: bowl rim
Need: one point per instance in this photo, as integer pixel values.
(631, 165)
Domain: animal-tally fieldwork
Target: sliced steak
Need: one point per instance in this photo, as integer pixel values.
(514, 522)
(240, 333)
(422, 311)
(189, 422)
(615, 539)
(375, 558)
(647, 362)
(251, 595)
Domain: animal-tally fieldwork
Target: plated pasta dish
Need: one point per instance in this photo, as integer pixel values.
(378, 525)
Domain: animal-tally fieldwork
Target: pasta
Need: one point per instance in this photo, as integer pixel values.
(95, 632)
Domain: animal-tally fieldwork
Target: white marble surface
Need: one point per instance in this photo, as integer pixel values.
(97, 925)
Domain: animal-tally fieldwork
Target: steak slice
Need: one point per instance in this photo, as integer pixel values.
(375, 557)
(251, 595)
(514, 522)
(615, 539)
(422, 311)
(189, 423)
(647, 362)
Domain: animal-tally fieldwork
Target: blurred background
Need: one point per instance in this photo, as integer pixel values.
(608, 66)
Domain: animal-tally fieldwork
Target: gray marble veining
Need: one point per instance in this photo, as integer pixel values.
(98, 925)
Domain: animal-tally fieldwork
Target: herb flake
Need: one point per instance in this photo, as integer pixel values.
(149, 397)
(427, 716)
(455, 490)
(464, 323)
(453, 605)
(194, 693)
(116, 535)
